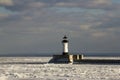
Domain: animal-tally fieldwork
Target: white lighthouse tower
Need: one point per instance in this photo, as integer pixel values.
(65, 45)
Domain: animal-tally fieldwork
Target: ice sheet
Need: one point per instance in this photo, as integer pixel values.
(56, 71)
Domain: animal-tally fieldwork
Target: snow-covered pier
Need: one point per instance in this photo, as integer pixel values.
(66, 57)
(99, 61)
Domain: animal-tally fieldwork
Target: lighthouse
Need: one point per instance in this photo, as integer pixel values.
(65, 45)
(65, 57)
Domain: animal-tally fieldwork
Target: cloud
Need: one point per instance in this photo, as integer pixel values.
(90, 4)
(36, 4)
(94, 4)
(6, 2)
(39, 25)
(5, 14)
(2, 16)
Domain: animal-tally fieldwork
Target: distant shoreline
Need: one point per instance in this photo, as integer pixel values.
(51, 54)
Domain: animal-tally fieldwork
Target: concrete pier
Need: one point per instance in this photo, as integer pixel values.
(66, 58)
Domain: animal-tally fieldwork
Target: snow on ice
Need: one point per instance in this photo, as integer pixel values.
(46, 71)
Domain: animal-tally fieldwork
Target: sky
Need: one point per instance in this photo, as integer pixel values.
(37, 26)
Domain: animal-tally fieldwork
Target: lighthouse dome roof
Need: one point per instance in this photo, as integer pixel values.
(65, 37)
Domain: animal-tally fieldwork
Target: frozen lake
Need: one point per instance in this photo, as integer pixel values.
(10, 69)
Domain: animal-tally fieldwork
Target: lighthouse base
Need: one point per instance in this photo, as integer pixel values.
(66, 58)
(65, 53)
